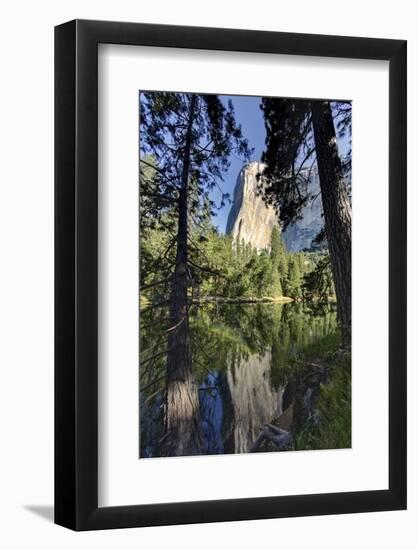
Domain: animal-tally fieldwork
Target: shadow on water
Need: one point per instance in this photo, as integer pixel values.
(244, 360)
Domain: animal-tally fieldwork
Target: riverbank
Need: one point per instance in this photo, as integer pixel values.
(145, 302)
(333, 407)
(242, 300)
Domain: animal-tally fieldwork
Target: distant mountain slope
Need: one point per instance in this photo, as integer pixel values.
(252, 220)
(299, 235)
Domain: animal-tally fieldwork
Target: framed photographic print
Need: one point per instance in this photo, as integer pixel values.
(230, 275)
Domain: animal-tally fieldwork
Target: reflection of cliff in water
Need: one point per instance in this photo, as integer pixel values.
(243, 358)
(255, 401)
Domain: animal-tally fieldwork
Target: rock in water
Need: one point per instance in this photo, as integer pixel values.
(250, 219)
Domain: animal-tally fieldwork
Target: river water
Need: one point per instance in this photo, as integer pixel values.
(244, 359)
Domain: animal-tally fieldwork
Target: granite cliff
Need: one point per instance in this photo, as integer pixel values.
(252, 221)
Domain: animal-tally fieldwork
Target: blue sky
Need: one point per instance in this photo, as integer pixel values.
(249, 116)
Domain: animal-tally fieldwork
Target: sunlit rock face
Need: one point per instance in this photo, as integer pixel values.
(250, 219)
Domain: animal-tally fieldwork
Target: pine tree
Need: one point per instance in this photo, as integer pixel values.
(276, 287)
(279, 257)
(294, 278)
(191, 137)
(296, 131)
(275, 244)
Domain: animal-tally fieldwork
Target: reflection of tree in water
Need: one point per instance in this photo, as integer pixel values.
(298, 329)
(255, 401)
(252, 348)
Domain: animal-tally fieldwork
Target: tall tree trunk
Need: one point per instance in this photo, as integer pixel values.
(183, 413)
(337, 211)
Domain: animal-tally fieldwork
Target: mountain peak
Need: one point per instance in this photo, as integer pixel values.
(250, 219)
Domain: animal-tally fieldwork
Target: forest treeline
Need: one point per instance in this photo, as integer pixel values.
(186, 141)
(230, 269)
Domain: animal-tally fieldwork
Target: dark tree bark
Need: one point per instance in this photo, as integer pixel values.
(182, 414)
(336, 209)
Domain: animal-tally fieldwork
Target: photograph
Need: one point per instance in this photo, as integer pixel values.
(245, 274)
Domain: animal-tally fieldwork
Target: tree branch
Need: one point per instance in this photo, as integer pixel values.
(151, 285)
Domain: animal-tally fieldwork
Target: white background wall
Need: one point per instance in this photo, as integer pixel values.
(26, 286)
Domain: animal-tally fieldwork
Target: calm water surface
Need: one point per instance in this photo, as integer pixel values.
(244, 358)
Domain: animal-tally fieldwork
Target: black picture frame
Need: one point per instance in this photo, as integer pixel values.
(76, 272)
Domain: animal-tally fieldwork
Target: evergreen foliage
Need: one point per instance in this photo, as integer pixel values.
(302, 136)
(237, 270)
